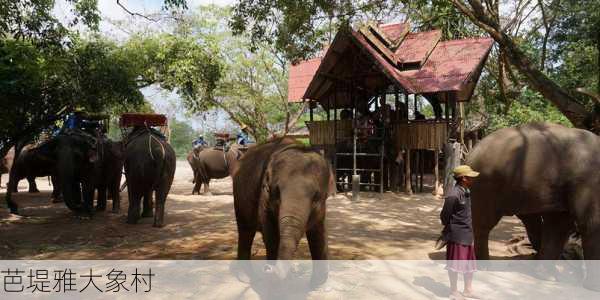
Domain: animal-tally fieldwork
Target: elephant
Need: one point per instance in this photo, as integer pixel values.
(192, 158)
(149, 167)
(214, 163)
(280, 189)
(6, 163)
(108, 173)
(546, 174)
(70, 157)
(33, 162)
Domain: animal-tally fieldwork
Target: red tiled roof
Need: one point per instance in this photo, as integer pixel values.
(449, 66)
(417, 46)
(300, 76)
(442, 66)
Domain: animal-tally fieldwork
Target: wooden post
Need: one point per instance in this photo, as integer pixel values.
(406, 103)
(407, 176)
(310, 108)
(436, 170)
(418, 169)
(396, 104)
(421, 169)
(328, 108)
(415, 102)
(462, 123)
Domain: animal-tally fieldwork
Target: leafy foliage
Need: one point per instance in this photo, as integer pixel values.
(252, 89)
(182, 136)
(36, 84)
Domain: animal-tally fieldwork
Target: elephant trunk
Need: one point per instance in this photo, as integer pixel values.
(293, 216)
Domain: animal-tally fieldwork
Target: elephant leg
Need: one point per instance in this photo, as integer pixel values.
(101, 204)
(270, 235)
(56, 193)
(317, 242)
(135, 199)
(147, 211)
(88, 198)
(245, 239)
(161, 199)
(591, 254)
(207, 188)
(32, 185)
(533, 226)
(116, 197)
(556, 227)
(14, 188)
(197, 185)
(555, 231)
(481, 233)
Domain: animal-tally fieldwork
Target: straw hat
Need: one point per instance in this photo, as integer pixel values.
(464, 171)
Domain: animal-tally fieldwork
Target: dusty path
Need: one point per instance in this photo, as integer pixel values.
(395, 226)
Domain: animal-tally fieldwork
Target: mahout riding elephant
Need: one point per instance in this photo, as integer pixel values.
(70, 157)
(280, 189)
(549, 176)
(108, 173)
(149, 167)
(214, 163)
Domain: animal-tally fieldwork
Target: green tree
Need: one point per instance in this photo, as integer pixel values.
(253, 87)
(182, 136)
(36, 84)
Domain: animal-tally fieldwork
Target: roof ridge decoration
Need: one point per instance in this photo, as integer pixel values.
(378, 40)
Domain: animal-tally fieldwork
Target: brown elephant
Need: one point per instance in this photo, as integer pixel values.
(33, 162)
(214, 163)
(280, 189)
(548, 175)
(108, 173)
(192, 158)
(149, 168)
(6, 163)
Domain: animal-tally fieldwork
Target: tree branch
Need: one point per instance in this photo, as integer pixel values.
(134, 13)
(567, 104)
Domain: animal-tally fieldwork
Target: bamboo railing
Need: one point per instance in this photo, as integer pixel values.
(322, 132)
(420, 135)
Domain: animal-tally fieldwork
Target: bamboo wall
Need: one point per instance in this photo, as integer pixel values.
(321, 132)
(420, 135)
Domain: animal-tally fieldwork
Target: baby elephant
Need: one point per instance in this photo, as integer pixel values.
(280, 189)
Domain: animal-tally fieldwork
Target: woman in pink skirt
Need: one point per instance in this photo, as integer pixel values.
(458, 232)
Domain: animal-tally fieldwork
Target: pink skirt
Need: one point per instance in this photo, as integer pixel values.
(460, 258)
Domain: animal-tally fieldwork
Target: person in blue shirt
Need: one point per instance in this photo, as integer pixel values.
(243, 138)
(199, 142)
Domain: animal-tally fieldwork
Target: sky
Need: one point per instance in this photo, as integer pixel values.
(162, 102)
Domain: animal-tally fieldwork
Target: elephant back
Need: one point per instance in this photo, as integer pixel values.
(539, 160)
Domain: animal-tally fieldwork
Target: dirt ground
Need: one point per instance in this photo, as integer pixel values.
(392, 226)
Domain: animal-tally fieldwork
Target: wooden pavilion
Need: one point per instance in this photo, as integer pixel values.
(379, 72)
